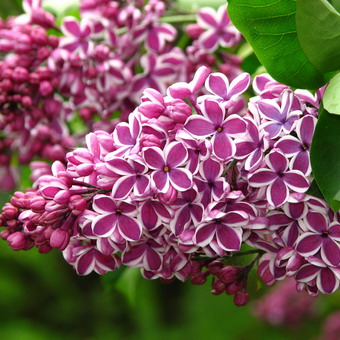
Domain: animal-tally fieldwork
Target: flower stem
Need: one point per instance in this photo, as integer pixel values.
(179, 19)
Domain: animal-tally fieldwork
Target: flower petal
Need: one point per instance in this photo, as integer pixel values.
(130, 228)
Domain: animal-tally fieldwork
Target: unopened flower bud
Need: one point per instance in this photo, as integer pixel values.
(194, 31)
(218, 287)
(45, 88)
(241, 298)
(228, 274)
(17, 241)
(232, 288)
(20, 75)
(59, 239)
(9, 211)
(198, 279)
(215, 267)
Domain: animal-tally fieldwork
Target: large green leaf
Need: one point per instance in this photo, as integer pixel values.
(318, 30)
(270, 28)
(325, 157)
(331, 98)
(335, 4)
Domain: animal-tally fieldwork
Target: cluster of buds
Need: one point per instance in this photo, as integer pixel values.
(227, 279)
(33, 118)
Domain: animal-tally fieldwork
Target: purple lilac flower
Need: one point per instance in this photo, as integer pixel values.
(167, 164)
(215, 123)
(278, 118)
(278, 179)
(187, 177)
(219, 29)
(320, 235)
(299, 147)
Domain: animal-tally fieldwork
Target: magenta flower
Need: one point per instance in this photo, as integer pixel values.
(278, 179)
(220, 30)
(155, 34)
(115, 217)
(215, 123)
(182, 90)
(167, 164)
(132, 174)
(299, 147)
(251, 147)
(317, 273)
(280, 118)
(211, 185)
(218, 85)
(145, 254)
(198, 151)
(221, 231)
(157, 72)
(321, 235)
(87, 258)
(77, 36)
(126, 136)
(189, 210)
(153, 214)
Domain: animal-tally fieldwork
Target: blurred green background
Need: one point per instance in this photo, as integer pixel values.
(41, 297)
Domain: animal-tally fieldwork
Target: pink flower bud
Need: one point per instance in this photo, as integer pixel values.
(215, 267)
(9, 211)
(17, 241)
(198, 279)
(77, 204)
(62, 197)
(218, 287)
(45, 88)
(194, 31)
(26, 101)
(150, 140)
(241, 298)
(228, 274)
(4, 234)
(59, 239)
(169, 197)
(232, 288)
(20, 75)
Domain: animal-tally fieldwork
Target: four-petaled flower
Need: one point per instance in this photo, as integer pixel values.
(219, 29)
(115, 219)
(299, 147)
(278, 179)
(278, 118)
(166, 165)
(77, 36)
(320, 236)
(215, 123)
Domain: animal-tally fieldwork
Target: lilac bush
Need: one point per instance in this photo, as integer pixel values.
(191, 180)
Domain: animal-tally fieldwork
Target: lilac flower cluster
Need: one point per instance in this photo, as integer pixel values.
(118, 49)
(100, 65)
(181, 186)
(33, 117)
(284, 306)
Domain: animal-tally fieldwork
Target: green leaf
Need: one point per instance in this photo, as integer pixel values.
(331, 98)
(318, 31)
(335, 4)
(325, 157)
(270, 28)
